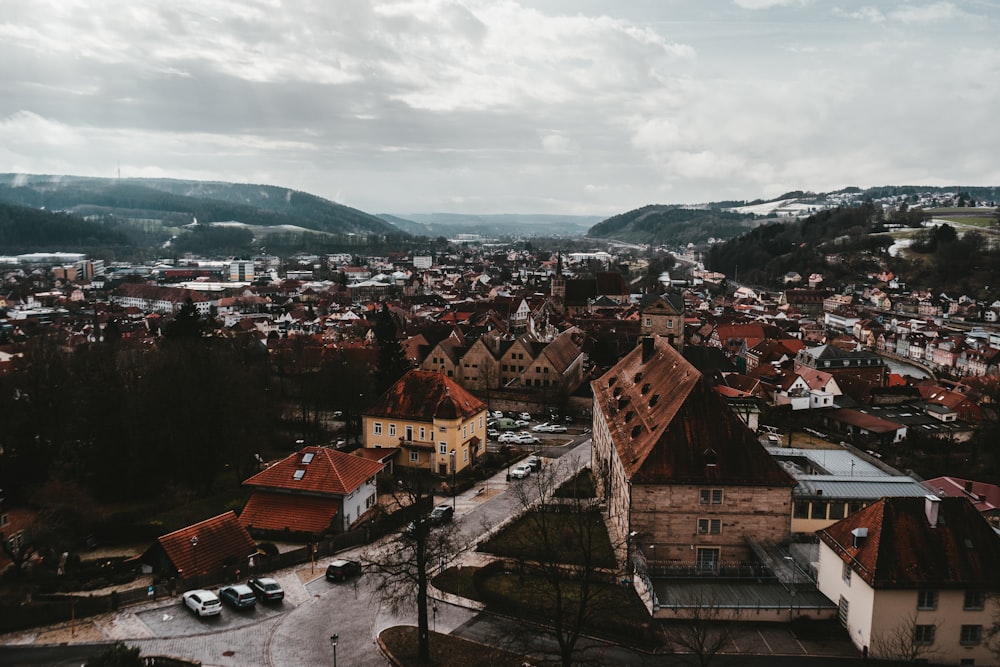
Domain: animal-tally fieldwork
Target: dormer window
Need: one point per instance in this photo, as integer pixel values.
(628, 416)
(637, 378)
(654, 399)
(711, 458)
(636, 430)
(646, 387)
(307, 458)
(299, 474)
(616, 392)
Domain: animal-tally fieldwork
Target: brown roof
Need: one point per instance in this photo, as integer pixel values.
(424, 396)
(327, 473)
(903, 550)
(219, 539)
(565, 349)
(669, 426)
(284, 511)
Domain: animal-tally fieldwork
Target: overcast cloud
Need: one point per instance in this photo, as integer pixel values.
(493, 106)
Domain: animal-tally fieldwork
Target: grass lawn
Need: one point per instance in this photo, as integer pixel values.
(566, 532)
(446, 651)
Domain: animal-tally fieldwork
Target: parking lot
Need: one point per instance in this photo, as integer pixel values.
(178, 620)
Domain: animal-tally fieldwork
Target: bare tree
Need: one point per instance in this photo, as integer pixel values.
(403, 567)
(701, 632)
(566, 559)
(906, 642)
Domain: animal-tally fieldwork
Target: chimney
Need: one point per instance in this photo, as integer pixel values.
(859, 536)
(968, 486)
(648, 347)
(932, 506)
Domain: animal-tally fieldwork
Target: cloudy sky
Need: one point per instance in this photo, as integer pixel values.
(501, 106)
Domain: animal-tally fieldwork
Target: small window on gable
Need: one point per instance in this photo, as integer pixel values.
(617, 391)
(628, 416)
(636, 430)
(711, 458)
(646, 387)
(637, 378)
(654, 399)
(612, 380)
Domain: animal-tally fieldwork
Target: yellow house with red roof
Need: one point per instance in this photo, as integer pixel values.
(429, 416)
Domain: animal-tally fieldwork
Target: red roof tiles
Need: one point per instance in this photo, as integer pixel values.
(424, 396)
(218, 539)
(325, 472)
(284, 511)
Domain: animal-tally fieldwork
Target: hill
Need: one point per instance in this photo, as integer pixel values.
(497, 225)
(174, 203)
(24, 230)
(674, 225)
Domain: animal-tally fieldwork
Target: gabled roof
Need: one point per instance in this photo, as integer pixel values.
(670, 427)
(903, 550)
(218, 539)
(324, 472)
(283, 511)
(424, 396)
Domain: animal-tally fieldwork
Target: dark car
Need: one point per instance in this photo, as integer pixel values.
(238, 596)
(441, 515)
(266, 589)
(535, 464)
(342, 570)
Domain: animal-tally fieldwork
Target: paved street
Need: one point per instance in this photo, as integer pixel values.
(296, 632)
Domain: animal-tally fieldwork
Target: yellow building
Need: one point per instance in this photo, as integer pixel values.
(436, 423)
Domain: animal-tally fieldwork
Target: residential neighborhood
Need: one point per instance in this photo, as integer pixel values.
(819, 447)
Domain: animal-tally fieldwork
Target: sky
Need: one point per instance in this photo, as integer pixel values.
(574, 107)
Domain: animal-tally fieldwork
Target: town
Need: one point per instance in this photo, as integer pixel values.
(815, 455)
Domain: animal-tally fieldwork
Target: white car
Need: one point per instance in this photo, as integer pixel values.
(493, 433)
(557, 428)
(521, 422)
(202, 602)
(520, 472)
(507, 436)
(540, 428)
(497, 414)
(526, 439)
(525, 416)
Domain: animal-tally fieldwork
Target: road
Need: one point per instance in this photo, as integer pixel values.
(296, 632)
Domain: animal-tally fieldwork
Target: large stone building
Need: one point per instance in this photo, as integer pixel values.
(685, 480)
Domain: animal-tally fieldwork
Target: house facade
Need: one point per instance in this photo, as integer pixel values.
(914, 579)
(438, 425)
(685, 481)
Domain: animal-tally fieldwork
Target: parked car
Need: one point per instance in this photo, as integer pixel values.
(493, 433)
(521, 422)
(507, 436)
(441, 515)
(202, 602)
(526, 439)
(266, 589)
(540, 428)
(534, 463)
(557, 428)
(338, 414)
(342, 570)
(525, 416)
(238, 596)
(520, 472)
(497, 414)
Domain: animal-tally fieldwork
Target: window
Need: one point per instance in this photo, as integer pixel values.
(670, 324)
(377, 426)
(711, 496)
(480, 422)
(819, 510)
(465, 454)
(845, 573)
(442, 448)
(801, 510)
(974, 600)
(414, 456)
(392, 429)
(423, 433)
(648, 322)
(923, 635)
(971, 634)
(465, 431)
(370, 501)
(409, 433)
(927, 600)
(709, 526)
(708, 560)
(837, 510)
(842, 609)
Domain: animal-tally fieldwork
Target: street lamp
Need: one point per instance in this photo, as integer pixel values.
(194, 553)
(333, 642)
(453, 493)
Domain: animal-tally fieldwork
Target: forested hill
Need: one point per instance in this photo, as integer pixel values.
(24, 229)
(846, 243)
(674, 225)
(182, 201)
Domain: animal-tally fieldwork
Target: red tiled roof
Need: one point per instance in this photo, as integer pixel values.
(903, 550)
(668, 425)
(281, 511)
(219, 539)
(329, 473)
(424, 396)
